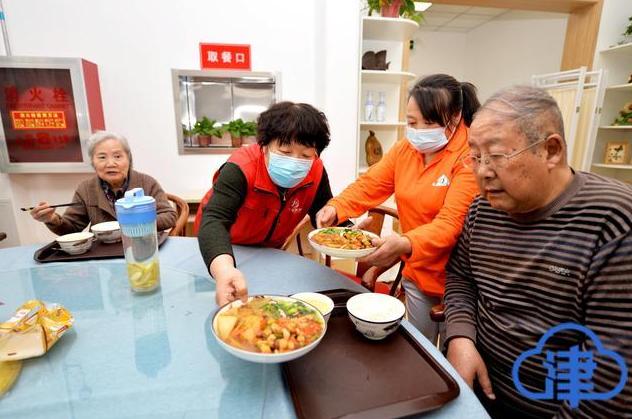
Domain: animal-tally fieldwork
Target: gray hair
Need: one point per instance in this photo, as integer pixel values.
(534, 111)
(100, 136)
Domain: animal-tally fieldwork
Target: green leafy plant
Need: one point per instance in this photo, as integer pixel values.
(186, 132)
(239, 128)
(406, 9)
(203, 127)
(250, 129)
(217, 131)
(625, 115)
(628, 30)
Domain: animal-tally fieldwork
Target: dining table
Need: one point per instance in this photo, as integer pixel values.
(132, 355)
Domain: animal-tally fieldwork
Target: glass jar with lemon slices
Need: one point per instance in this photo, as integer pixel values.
(136, 215)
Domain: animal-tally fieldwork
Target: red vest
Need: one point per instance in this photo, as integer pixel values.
(266, 218)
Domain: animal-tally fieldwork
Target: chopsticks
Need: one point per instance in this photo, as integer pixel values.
(70, 204)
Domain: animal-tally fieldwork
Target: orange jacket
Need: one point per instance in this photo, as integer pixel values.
(431, 201)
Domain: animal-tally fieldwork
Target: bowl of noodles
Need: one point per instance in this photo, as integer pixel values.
(342, 242)
(268, 328)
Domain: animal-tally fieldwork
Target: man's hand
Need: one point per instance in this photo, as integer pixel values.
(466, 360)
(389, 249)
(43, 213)
(326, 217)
(230, 282)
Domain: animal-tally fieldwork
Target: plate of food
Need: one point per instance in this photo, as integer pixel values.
(268, 328)
(342, 242)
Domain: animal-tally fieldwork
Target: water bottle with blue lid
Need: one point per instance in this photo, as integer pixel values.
(136, 214)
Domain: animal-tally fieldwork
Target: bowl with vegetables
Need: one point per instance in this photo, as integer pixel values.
(342, 242)
(268, 328)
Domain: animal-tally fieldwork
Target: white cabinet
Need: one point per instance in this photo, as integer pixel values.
(617, 61)
(392, 35)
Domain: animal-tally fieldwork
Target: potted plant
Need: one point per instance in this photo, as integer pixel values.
(217, 134)
(628, 31)
(203, 130)
(395, 8)
(237, 128)
(249, 134)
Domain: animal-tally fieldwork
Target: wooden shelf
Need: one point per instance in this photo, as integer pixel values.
(619, 48)
(616, 127)
(614, 166)
(388, 28)
(379, 76)
(621, 87)
(378, 125)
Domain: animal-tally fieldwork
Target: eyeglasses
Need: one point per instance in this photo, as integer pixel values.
(495, 160)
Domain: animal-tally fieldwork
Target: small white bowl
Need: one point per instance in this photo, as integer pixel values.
(107, 232)
(76, 243)
(323, 303)
(375, 315)
(263, 358)
(341, 253)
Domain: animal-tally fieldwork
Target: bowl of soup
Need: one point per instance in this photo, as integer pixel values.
(375, 315)
(268, 329)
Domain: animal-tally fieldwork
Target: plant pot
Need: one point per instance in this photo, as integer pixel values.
(224, 140)
(250, 139)
(235, 141)
(391, 10)
(204, 140)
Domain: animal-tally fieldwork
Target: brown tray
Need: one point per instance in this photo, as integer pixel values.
(99, 250)
(349, 376)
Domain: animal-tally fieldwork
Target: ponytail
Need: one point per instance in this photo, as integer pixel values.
(470, 102)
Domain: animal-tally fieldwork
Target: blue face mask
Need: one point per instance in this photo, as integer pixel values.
(427, 140)
(287, 172)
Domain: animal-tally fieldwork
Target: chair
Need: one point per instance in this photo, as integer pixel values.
(366, 274)
(437, 313)
(182, 211)
(296, 238)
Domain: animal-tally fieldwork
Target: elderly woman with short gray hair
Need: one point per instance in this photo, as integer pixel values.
(111, 158)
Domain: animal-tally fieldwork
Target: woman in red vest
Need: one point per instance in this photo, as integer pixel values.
(264, 191)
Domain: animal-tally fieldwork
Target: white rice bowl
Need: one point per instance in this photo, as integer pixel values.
(375, 315)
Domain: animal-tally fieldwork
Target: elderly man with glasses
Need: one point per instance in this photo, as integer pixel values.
(543, 246)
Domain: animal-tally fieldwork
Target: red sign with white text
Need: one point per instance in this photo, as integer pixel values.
(224, 57)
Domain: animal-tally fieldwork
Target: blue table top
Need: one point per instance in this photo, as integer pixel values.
(153, 355)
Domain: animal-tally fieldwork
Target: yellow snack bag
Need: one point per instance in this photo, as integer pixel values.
(33, 329)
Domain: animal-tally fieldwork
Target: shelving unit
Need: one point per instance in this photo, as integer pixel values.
(617, 61)
(392, 35)
(616, 127)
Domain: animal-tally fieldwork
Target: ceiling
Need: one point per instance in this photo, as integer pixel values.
(448, 18)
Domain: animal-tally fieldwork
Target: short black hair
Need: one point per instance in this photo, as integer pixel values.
(290, 122)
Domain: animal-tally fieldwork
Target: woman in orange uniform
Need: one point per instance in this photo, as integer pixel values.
(432, 188)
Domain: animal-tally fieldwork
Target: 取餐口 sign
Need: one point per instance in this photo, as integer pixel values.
(224, 57)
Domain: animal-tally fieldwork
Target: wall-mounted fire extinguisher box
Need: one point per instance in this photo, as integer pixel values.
(49, 108)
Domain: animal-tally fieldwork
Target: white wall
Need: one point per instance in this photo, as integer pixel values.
(499, 53)
(511, 48)
(312, 43)
(438, 52)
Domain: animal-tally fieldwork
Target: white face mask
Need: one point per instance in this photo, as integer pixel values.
(427, 140)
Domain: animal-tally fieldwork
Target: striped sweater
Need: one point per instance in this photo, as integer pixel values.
(510, 280)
